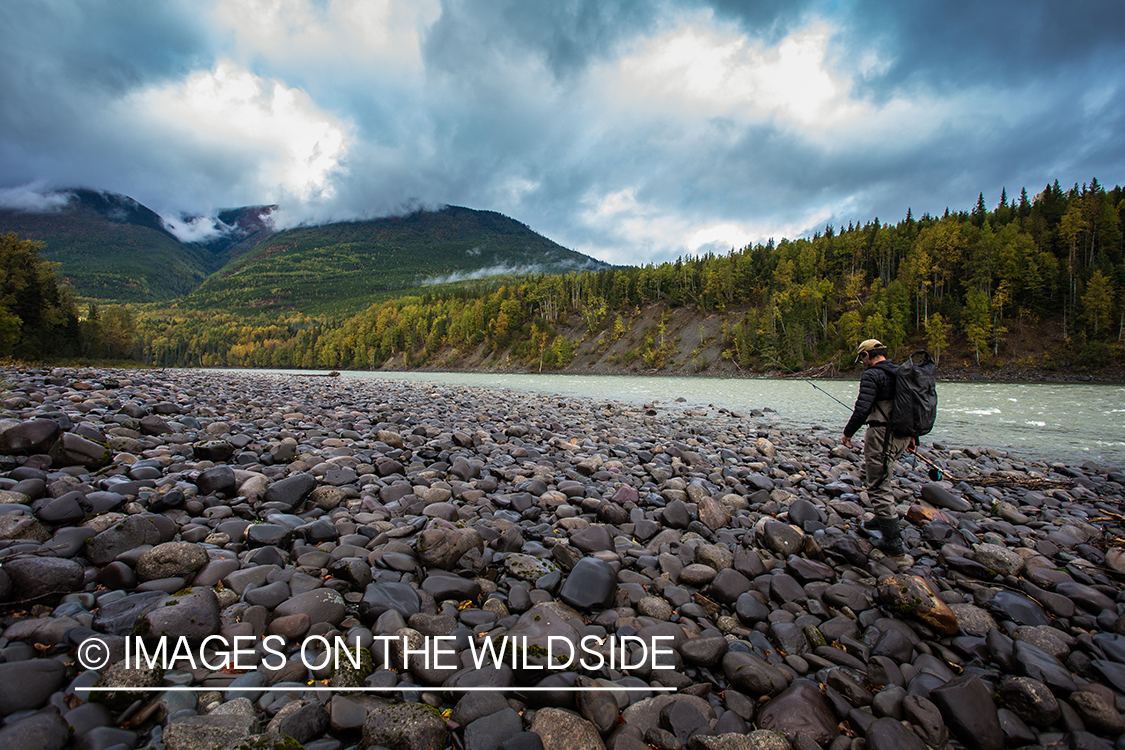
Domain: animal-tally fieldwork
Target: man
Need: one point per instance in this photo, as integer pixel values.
(873, 407)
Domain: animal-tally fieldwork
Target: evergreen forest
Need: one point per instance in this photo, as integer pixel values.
(40, 319)
(1035, 282)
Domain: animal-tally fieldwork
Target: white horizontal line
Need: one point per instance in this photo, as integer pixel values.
(324, 689)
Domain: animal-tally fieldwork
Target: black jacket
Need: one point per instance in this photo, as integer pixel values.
(877, 384)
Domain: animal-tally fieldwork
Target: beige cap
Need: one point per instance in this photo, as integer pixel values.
(867, 346)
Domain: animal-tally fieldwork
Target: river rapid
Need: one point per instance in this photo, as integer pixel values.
(1066, 422)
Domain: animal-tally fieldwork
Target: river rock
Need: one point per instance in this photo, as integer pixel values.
(491, 731)
(562, 730)
(713, 514)
(381, 597)
(528, 567)
(543, 631)
(1030, 699)
(291, 491)
(1018, 608)
(193, 614)
(301, 720)
(75, 450)
(171, 560)
(217, 479)
(405, 726)
(133, 532)
(972, 620)
(218, 451)
(889, 734)
(444, 547)
(801, 708)
(1002, 560)
(1098, 712)
(319, 606)
(968, 709)
(211, 731)
(37, 732)
(912, 595)
(781, 538)
(368, 507)
(32, 436)
(759, 739)
(28, 684)
(752, 675)
(35, 578)
(592, 583)
(938, 495)
(22, 527)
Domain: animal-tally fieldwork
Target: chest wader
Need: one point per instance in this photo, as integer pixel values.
(879, 490)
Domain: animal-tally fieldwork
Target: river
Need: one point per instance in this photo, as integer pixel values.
(1067, 422)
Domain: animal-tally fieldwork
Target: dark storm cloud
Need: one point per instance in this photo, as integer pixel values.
(633, 131)
(62, 61)
(566, 35)
(960, 42)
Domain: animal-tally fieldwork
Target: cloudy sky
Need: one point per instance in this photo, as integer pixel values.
(631, 131)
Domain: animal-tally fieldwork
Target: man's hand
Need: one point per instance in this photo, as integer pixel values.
(913, 445)
(847, 441)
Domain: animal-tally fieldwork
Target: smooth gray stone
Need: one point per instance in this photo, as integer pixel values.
(1034, 662)
(35, 577)
(940, 497)
(592, 583)
(890, 734)
(380, 597)
(967, 707)
(120, 617)
(28, 684)
(1018, 608)
(321, 605)
(489, 732)
(269, 596)
(44, 731)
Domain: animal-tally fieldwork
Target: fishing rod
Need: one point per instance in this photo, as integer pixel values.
(935, 473)
(794, 372)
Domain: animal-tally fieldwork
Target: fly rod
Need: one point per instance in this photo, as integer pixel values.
(935, 474)
(794, 372)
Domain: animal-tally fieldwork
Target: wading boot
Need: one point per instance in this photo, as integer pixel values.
(891, 543)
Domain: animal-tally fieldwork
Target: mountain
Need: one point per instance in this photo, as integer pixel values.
(343, 267)
(229, 233)
(111, 248)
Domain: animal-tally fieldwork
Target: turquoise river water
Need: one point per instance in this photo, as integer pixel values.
(1050, 421)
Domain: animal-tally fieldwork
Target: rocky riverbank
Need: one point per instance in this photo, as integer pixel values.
(203, 508)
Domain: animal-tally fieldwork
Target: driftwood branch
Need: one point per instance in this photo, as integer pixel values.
(827, 370)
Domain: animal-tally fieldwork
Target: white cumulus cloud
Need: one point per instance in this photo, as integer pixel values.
(285, 143)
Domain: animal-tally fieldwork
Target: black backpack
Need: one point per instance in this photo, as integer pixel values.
(915, 405)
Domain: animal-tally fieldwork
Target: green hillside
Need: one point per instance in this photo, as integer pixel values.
(344, 267)
(110, 248)
(1032, 288)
